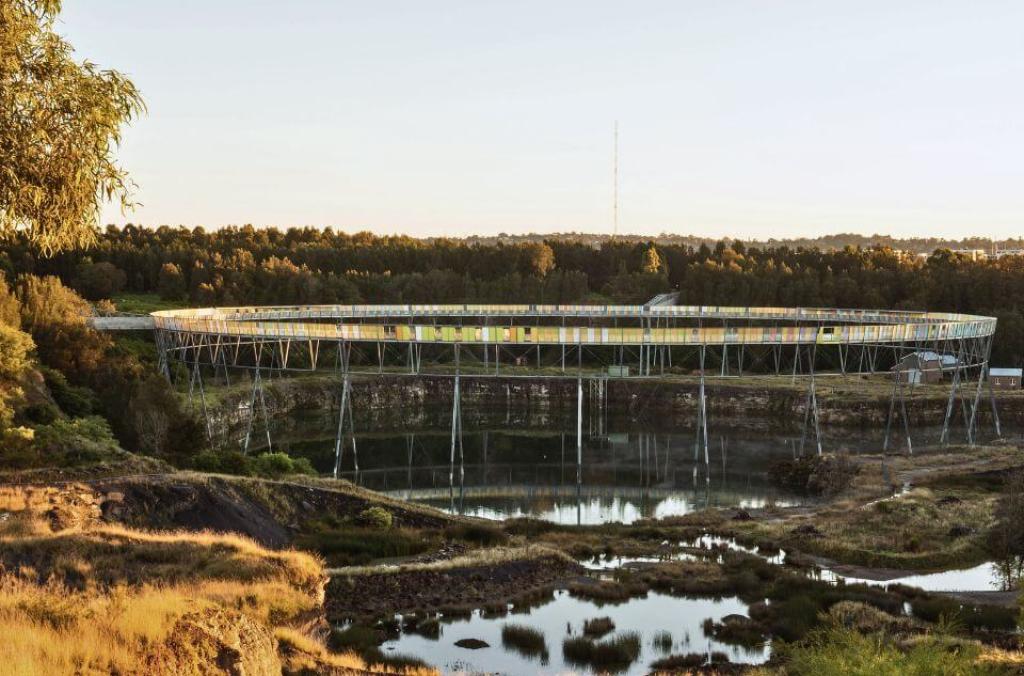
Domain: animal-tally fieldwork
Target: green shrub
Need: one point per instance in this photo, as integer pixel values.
(845, 652)
(223, 462)
(17, 447)
(272, 465)
(42, 413)
(69, 432)
(75, 401)
(67, 442)
(375, 517)
(302, 466)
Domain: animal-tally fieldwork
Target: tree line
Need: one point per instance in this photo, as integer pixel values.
(247, 265)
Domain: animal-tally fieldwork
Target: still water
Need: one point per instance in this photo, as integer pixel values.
(524, 464)
(510, 472)
(563, 617)
(984, 577)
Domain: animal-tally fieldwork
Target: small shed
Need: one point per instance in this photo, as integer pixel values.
(1005, 378)
(923, 367)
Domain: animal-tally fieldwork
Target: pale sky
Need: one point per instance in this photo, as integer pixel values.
(751, 119)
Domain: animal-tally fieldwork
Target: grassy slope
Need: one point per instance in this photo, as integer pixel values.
(81, 596)
(912, 531)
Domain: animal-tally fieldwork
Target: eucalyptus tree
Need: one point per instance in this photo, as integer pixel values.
(60, 123)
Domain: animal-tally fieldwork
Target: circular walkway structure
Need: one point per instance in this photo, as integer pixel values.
(593, 342)
(650, 324)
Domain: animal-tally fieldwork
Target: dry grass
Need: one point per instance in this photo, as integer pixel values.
(111, 554)
(477, 557)
(53, 628)
(50, 629)
(98, 598)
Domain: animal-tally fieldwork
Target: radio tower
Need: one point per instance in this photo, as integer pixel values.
(615, 180)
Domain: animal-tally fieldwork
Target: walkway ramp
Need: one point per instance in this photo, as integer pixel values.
(122, 323)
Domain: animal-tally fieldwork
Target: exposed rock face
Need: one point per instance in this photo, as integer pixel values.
(193, 504)
(415, 401)
(217, 641)
(268, 512)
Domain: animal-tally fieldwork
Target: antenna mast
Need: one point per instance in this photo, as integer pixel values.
(615, 193)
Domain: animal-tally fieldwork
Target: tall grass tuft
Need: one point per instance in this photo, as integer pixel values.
(524, 640)
(598, 627)
(614, 653)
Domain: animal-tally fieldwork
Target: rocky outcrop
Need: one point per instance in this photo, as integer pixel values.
(217, 641)
(191, 503)
(72, 506)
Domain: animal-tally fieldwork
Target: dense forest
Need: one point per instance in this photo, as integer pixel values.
(243, 265)
(75, 391)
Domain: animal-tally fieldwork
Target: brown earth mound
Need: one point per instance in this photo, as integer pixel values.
(368, 594)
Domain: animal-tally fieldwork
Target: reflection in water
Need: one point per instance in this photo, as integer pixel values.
(986, 577)
(525, 464)
(624, 476)
(563, 617)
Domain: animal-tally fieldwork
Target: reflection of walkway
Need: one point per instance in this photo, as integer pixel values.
(570, 491)
(608, 466)
(645, 476)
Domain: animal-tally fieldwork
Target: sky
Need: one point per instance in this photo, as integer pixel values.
(748, 119)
